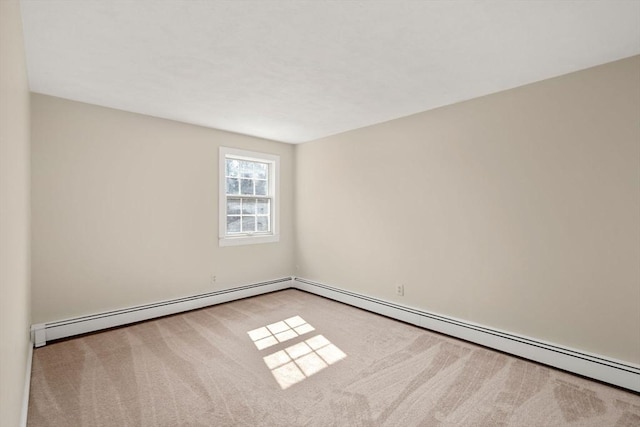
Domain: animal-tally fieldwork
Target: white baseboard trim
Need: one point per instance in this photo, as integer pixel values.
(27, 387)
(598, 367)
(44, 332)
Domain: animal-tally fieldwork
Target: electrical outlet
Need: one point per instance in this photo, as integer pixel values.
(400, 290)
(213, 280)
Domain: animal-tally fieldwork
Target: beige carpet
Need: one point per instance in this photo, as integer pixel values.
(291, 359)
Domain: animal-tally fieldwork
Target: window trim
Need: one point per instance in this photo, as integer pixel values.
(273, 160)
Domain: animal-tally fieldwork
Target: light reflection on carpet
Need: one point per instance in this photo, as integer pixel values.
(278, 332)
(299, 361)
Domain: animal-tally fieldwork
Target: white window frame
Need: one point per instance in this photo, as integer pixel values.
(235, 239)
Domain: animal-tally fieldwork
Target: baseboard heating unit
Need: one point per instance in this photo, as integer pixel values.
(589, 365)
(41, 333)
(594, 366)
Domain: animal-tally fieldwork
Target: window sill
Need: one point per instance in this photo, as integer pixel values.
(248, 240)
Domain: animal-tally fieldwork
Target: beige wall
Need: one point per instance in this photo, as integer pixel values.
(14, 214)
(519, 210)
(125, 211)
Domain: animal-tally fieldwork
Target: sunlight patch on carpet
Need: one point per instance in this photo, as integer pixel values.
(298, 361)
(278, 332)
(302, 360)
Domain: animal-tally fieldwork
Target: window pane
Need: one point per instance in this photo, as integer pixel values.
(248, 206)
(248, 224)
(263, 207)
(261, 188)
(233, 168)
(233, 186)
(233, 207)
(246, 186)
(246, 169)
(263, 223)
(233, 224)
(261, 170)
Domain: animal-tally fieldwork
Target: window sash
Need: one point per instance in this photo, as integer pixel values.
(240, 215)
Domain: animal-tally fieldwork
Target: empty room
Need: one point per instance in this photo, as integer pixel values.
(319, 213)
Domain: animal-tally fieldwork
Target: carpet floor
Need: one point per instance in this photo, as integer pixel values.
(290, 358)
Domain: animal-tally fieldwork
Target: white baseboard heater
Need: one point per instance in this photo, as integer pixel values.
(589, 365)
(598, 367)
(41, 333)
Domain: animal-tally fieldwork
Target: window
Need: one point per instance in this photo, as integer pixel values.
(248, 197)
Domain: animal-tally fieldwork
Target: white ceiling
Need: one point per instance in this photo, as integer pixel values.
(295, 71)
